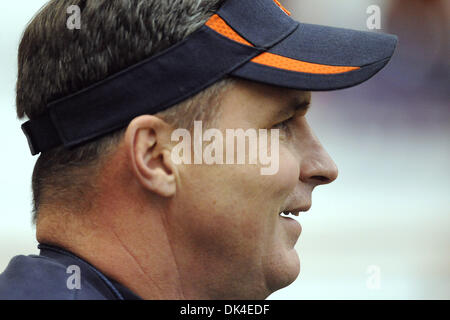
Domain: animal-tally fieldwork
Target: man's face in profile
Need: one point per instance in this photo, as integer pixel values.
(228, 216)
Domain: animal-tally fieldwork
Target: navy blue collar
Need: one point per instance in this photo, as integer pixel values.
(92, 275)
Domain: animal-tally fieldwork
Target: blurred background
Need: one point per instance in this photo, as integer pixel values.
(381, 230)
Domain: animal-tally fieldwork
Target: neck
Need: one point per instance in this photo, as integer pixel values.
(139, 258)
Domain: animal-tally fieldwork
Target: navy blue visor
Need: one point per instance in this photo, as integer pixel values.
(255, 40)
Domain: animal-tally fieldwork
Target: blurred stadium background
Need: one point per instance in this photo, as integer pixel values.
(381, 230)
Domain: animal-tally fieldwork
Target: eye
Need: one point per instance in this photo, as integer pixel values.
(285, 132)
(283, 126)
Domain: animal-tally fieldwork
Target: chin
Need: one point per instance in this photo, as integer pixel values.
(284, 271)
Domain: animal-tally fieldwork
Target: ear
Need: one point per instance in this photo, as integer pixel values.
(148, 146)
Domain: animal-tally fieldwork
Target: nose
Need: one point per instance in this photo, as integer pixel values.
(317, 167)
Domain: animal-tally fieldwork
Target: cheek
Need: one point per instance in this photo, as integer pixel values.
(235, 202)
(289, 172)
(232, 201)
(225, 222)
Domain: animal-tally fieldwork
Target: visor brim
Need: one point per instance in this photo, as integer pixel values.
(321, 58)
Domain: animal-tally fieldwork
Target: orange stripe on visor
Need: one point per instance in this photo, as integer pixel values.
(273, 60)
(282, 8)
(280, 62)
(220, 26)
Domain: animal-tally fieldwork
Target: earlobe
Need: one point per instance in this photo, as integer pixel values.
(146, 142)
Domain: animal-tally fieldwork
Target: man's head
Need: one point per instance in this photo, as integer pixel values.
(121, 201)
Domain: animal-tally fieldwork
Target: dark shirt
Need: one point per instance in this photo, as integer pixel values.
(57, 274)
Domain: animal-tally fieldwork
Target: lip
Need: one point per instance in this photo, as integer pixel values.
(296, 211)
(292, 226)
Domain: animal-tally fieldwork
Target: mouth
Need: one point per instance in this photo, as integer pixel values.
(288, 213)
(288, 219)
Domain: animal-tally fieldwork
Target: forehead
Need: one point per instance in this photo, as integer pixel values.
(255, 103)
